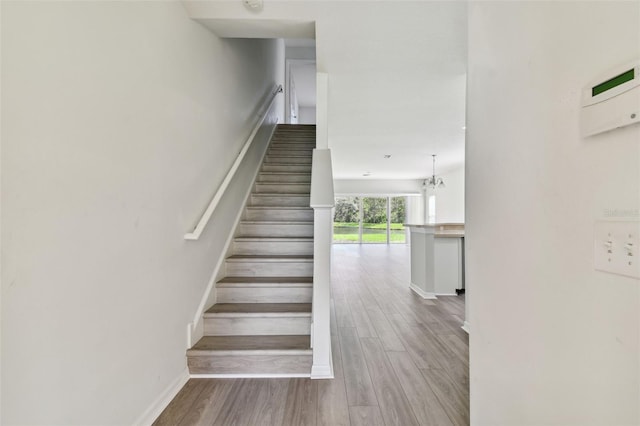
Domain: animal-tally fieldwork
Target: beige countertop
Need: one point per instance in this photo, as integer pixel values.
(442, 230)
(450, 234)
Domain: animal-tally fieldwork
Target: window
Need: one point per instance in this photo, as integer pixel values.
(432, 209)
(346, 220)
(369, 220)
(374, 220)
(397, 219)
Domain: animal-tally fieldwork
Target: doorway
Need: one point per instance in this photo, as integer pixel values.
(300, 81)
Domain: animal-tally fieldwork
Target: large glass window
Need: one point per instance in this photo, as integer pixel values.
(374, 220)
(397, 219)
(346, 220)
(369, 220)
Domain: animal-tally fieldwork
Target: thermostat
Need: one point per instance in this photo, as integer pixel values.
(611, 100)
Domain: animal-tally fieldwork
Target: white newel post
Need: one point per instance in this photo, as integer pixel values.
(322, 201)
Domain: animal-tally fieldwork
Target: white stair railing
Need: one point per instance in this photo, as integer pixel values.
(322, 202)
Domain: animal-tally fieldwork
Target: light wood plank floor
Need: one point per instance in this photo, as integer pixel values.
(398, 359)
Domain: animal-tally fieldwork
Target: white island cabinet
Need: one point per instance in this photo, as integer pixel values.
(437, 259)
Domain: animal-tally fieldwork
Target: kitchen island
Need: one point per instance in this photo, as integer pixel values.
(437, 259)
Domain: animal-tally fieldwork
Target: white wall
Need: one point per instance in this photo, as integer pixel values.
(306, 115)
(300, 52)
(450, 199)
(280, 75)
(119, 120)
(552, 341)
(415, 209)
(377, 186)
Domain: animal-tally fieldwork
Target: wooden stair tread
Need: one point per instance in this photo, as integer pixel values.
(270, 258)
(252, 345)
(287, 173)
(265, 281)
(277, 222)
(275, 194)
(290, 152)
(244, 309)
(300, 148)
(279, 208)
(285, 183)
(274, 239)
(278, 163)
(304, 145)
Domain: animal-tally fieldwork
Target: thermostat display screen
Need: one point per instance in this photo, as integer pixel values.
(614, 82)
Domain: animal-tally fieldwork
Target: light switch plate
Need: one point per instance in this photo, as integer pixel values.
(617, 248)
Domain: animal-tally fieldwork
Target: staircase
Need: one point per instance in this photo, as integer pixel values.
(261, 322)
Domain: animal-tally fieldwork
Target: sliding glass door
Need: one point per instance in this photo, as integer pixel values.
(346, 220)
(369, 220)
(397, 219)
(374, 220)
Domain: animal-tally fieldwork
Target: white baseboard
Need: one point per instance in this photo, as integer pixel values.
(417, 290)
(247, 376)
(157, 407)
(446, 294)
(466, 326)
(322, 372)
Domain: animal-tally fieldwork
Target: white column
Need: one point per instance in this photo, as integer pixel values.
(322, 367)
(322, 201)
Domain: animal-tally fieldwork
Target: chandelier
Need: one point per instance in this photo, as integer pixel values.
(433, 182)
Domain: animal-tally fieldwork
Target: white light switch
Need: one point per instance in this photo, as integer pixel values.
(616, 248)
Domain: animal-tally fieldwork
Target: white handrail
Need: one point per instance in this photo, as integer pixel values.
(202, 223)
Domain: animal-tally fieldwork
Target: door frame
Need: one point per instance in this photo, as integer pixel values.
(287, 84)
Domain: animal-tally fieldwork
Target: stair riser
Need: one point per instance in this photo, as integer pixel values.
(287, 168)
(271, 230)
(304, 149)
(287, 160)
(294, 144)
(302, 145)
(257, 326)
(279, 214)
(299, 144)
(284, 178)
(279, 201)
(256, 364)
(278, 188)
(269, 269)
(294, 135)
(264, 295)
(272, 248)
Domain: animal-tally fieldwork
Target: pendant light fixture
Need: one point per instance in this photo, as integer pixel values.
(433, 182)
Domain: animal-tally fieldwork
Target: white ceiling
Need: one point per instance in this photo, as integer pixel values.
(397, 73)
